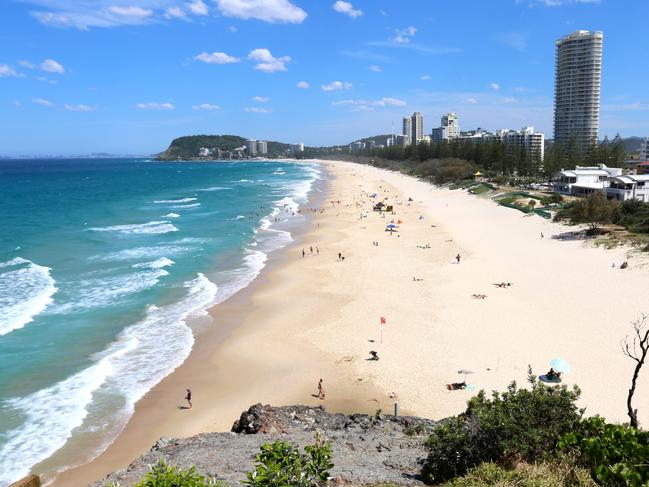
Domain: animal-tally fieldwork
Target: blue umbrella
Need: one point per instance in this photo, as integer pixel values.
(560, 365)
(391, 226)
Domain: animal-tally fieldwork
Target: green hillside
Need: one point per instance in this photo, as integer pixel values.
(187, 147)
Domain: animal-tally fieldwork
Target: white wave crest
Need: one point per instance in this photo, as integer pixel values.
(150, 228)
(213, 188)
(142, 355)
(180, 207)
(180, 200)
(102, 292)
(172, 215)
(156, 264)
(26, 289)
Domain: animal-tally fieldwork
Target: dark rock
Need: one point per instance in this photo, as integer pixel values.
(366, 449)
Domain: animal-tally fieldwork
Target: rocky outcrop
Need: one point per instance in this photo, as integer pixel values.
(366, 449)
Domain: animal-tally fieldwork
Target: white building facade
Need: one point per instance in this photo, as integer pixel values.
(644, 150)
(582, 181)
(629, 187)
(251, 145)
(577, 89)
(449, 128)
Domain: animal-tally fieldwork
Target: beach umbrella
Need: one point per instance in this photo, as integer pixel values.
(560, 365)
(391, 226)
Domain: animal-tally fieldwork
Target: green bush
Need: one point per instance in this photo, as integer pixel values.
(615, 454)
(162, 475)
(281, 464)
(519, 424)
(524, 475)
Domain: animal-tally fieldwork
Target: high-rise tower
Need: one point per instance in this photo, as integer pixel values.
(417, 127)
(577, 89)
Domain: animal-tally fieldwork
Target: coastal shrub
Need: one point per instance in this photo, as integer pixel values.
(553, 474)
(280, 464)
(615, 454)
(594, 210)
(519, 424)
(634, 215)
(163, 475)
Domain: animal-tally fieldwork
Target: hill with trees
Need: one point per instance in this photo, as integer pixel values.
(187, 147)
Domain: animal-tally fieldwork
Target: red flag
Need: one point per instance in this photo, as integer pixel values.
(383, 320)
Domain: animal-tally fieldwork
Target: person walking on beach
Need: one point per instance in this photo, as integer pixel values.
(317, 250)
(457, 258)
(188, 398)
(303, 253)
(311, 249)
(321, 391)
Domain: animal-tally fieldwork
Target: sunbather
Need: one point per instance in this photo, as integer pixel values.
(455, 386)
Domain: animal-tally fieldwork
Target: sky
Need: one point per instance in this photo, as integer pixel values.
(128, 76)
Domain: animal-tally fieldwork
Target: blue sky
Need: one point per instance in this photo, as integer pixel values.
(127, 76)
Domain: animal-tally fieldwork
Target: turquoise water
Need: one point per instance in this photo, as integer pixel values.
(103, 264)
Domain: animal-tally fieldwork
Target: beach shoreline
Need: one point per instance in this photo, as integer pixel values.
(304, 318)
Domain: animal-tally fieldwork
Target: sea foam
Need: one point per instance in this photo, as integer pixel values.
(142, 355)
(150, 228)
(26, 289)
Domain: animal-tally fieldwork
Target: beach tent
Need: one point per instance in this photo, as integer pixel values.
(560, 365)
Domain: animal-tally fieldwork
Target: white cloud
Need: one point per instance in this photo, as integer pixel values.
(337, 86)
(94, 13)
(208, 107)
(403, 36)
(17, 103)
(494, 86)
(132, 13)
(216, 58)
(509, 100)
(303, 85)
(198, 7)
(347, 9)
(42, 102)
(175, 13)
(281, 11)
(267, 62)
(155, 106)
(51, 66)
(261, 99)
(232, 28)
(383, 102)
(257, 110)
(425, 77)
(79, 108)
(6, 71)
(27, 64)
(471, 101)
(376, 69)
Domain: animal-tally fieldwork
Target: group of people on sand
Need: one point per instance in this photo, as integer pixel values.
(311, 250)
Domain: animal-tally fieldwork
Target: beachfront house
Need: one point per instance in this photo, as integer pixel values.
(582, 181)
(629, 187)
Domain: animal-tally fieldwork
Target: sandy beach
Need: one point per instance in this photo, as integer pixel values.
(318, 316)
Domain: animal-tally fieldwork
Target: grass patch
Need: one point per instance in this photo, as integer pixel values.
(524, 475)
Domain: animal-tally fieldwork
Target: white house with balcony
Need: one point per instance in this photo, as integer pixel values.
(629, 187)
(582, 181)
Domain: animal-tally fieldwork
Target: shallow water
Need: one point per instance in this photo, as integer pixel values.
(103, 263)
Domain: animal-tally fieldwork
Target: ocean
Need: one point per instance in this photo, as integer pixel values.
(104, 267)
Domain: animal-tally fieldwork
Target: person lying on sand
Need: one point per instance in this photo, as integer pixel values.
(503, 284)
(552, 375)
(417, 279)
(456, 386)
(478, 296)
(374, 355)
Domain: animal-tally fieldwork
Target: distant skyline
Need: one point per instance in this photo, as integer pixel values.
(128, 76)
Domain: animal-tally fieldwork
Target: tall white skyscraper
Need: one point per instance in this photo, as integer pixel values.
(417, 127)
(262, 147)
(252, 147)
(577, 89)
(407, 130)
(449, 129)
